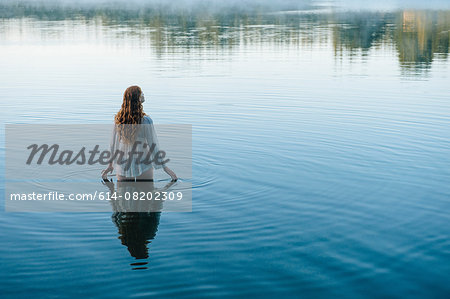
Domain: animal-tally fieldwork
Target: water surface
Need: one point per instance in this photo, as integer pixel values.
(321, 151)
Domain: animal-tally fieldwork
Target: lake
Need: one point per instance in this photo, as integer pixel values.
(320, 150)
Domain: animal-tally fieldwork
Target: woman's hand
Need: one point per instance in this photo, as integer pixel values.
(171, 173)
(106, 171)
(109, 184)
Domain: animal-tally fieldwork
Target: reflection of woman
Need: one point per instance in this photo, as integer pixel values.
(136, 230)
(127, 132)
(136, 220)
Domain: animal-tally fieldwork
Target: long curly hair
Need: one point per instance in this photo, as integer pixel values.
(130, 114)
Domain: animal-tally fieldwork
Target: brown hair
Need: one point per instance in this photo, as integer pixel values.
(131, 113)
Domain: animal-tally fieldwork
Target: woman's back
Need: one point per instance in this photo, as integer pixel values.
(134, 143)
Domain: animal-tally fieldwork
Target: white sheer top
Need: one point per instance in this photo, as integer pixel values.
(145, 139)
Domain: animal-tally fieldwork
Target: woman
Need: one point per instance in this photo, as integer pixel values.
(132, 125)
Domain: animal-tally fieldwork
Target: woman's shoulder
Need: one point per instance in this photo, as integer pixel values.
(147, 120)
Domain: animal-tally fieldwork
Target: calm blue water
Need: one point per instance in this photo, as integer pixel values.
(321, 154)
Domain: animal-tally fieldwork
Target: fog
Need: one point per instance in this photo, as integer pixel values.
(239, 5)
(389, 5)
(173, 5)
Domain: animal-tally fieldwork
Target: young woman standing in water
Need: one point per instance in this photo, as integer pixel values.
(127, 131)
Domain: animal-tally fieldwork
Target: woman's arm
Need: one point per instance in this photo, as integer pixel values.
(112, 146)
(106, 171)
(152, 138)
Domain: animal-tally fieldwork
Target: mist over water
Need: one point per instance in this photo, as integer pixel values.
(320, 146)
(175, 6)
(235, 5)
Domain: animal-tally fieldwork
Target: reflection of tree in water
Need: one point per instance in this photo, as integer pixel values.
(357, 32)
(418, 36)
(136, 230)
